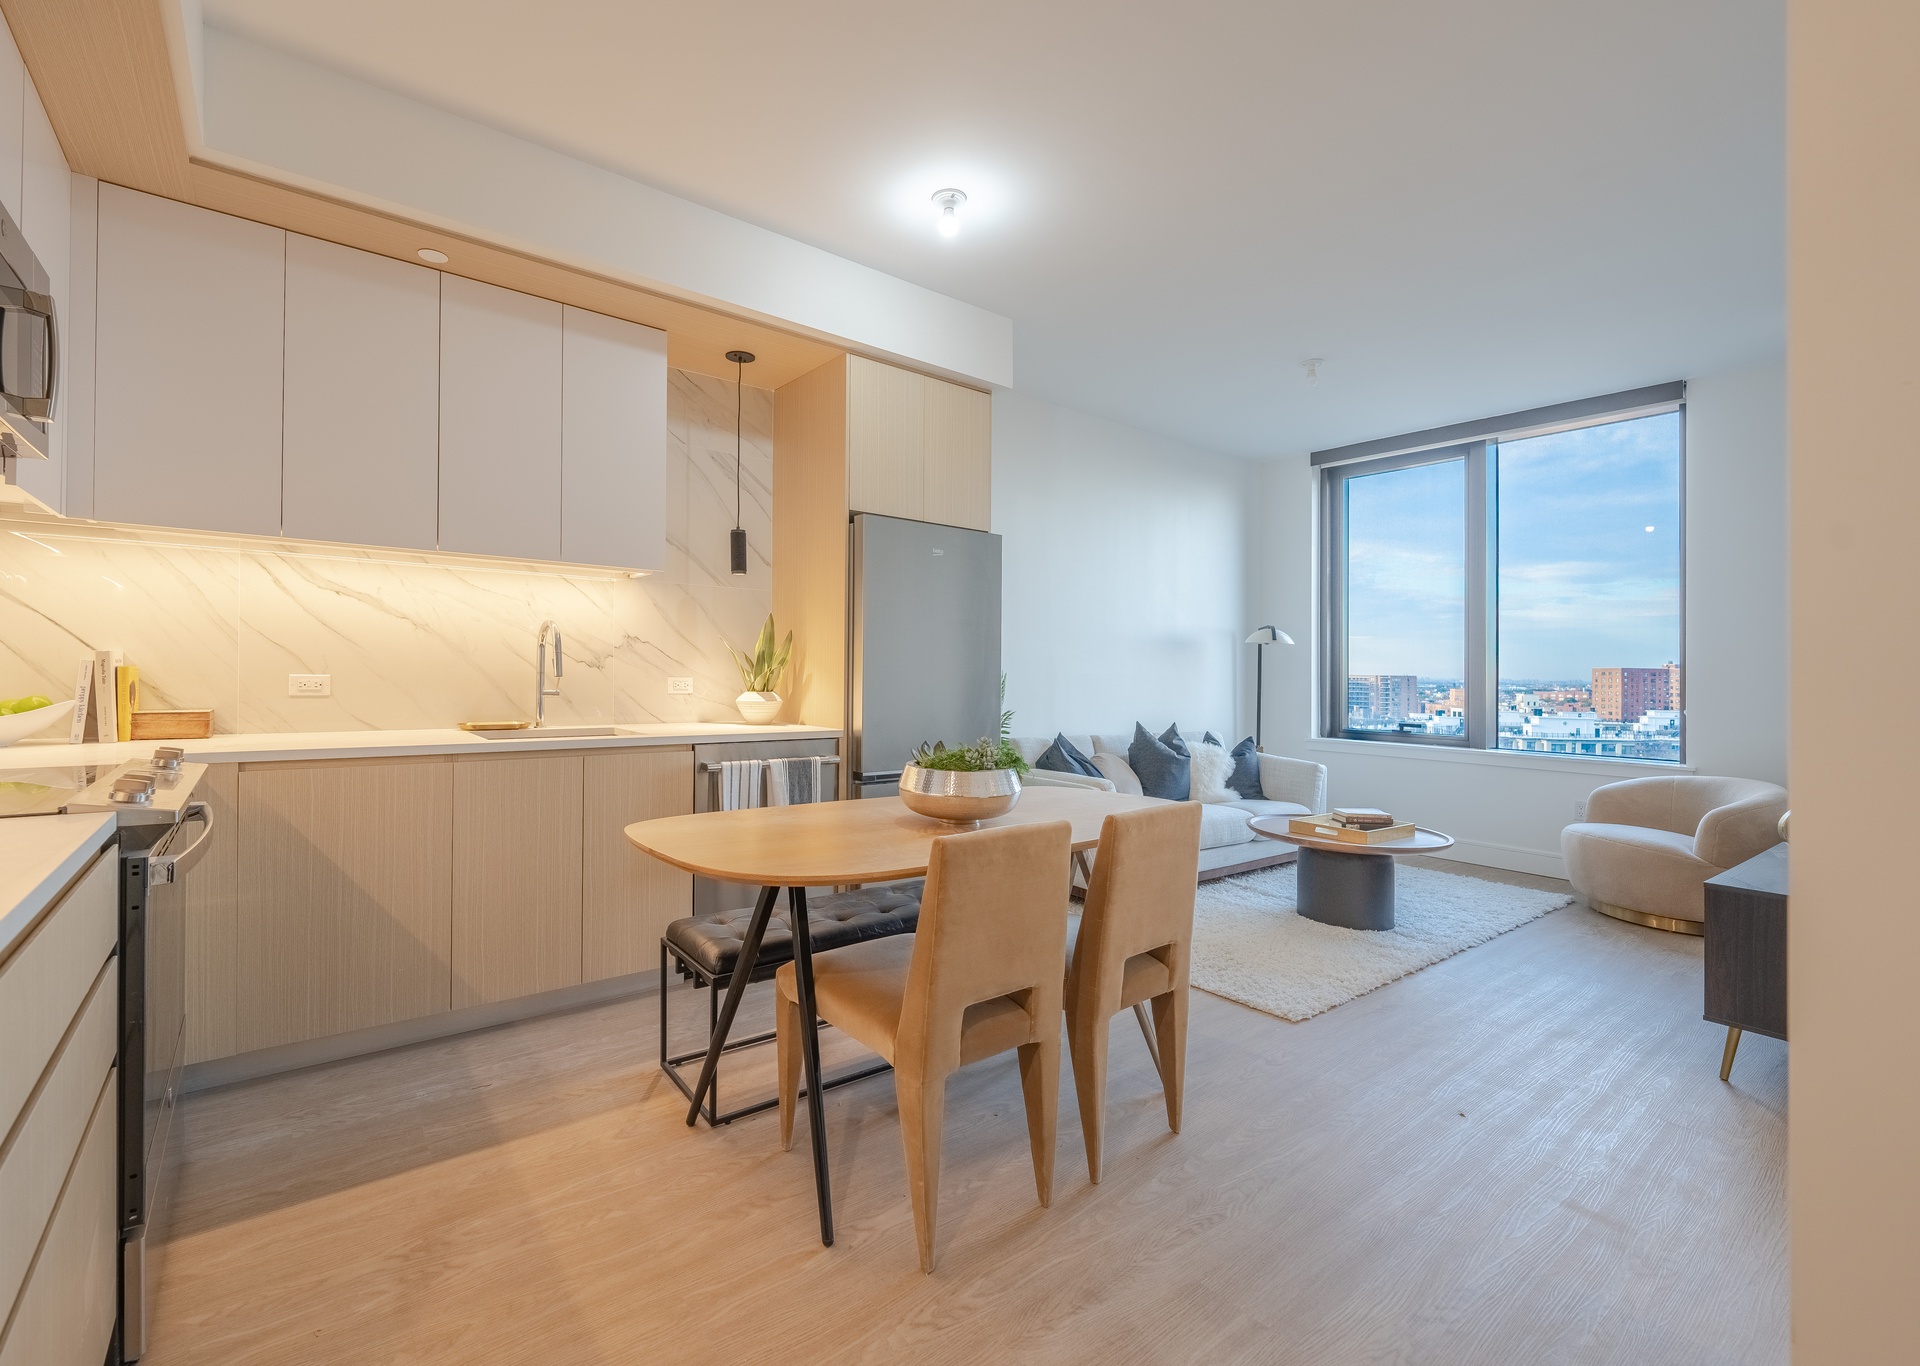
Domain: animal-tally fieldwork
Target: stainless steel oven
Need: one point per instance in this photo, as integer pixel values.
(153, 1020)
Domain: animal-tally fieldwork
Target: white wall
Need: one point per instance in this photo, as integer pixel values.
(1123, 557)
(1507, 810)
(272, 114)
(1853, 288)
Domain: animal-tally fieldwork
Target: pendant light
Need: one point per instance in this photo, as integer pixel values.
(740, 359)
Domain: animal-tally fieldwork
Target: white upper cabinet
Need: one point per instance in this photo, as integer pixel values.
(13, 85)
(613, 442)
(187, 403)
(500, 405)
(362, 397)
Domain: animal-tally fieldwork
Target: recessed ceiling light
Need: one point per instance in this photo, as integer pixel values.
(429, 255)
(949, 202)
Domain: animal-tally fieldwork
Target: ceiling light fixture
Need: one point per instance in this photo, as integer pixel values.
(1312, 366)
(738, 539)
(949, 202)
(432, 257)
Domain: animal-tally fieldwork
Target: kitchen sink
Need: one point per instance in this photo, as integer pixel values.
(548, 733)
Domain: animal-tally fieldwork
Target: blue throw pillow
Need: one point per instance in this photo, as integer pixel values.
(1246, 771)
(1174, 741)
(1163, 770)
(1062, 756)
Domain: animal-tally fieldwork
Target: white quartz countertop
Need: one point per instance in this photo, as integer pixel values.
(374, 744)
(39, 856)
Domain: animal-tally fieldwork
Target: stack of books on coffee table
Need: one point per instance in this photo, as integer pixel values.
(1353, 825)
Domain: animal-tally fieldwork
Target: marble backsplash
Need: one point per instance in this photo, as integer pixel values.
(220, 623)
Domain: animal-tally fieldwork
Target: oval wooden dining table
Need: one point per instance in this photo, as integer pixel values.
(823, 845)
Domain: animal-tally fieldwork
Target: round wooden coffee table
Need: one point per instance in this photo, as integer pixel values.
(1350, 885)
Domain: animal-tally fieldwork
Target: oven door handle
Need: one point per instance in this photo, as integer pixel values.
(172, 867)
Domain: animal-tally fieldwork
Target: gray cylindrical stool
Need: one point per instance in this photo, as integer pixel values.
(1351, 890)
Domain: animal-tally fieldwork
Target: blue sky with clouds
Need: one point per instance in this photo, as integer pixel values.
(1589, 557)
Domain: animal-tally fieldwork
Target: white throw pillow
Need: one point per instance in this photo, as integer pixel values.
(1116, 770)
(1210, 768)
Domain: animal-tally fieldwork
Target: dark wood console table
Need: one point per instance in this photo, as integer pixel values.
(1747, 950)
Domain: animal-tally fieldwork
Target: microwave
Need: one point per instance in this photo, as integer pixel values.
(28, 349)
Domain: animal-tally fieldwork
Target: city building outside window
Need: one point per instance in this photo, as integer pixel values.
(1511, 584)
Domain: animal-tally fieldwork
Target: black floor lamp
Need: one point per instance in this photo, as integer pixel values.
(1260, 639)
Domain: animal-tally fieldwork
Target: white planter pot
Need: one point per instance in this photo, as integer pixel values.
(758, 708)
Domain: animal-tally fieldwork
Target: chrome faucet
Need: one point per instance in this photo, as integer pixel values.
(541, 692)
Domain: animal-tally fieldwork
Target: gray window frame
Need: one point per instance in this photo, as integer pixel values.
(1468, 442)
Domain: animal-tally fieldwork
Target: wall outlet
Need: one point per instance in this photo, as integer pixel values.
(1579, 808)
(680, 687)
(309, 685)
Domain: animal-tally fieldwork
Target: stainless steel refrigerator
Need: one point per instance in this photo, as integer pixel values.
(924, 642)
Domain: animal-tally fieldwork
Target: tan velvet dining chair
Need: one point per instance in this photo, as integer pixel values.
(980, 975)
(1131, 948)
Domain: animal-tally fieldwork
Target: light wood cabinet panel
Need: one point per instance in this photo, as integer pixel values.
(516, 876)
(187, 360)
(41, 1149)
(345, 887)
(810, 540)
(213, 928)
(958, 479)
(66, 1311)
(45, 979)
(500, 405)
(917, 447)
(886, 439)
(627, 897)
(362, 424)
(613, 442)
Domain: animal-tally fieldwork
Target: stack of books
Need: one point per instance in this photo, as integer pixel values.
(1353, 825)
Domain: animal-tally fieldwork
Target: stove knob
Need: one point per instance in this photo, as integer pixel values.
(135, 789)
(167, 758)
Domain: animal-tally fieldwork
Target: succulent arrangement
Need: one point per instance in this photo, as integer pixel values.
(761, 670)
(988, 752)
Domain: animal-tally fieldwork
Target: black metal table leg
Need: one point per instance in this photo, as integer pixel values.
(749, 956)
(810, 1051)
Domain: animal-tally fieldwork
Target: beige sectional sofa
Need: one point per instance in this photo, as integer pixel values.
(1288, 787)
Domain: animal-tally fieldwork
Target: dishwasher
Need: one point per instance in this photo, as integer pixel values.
(708, 893)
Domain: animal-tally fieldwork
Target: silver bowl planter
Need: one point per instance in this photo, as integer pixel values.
(959, 798)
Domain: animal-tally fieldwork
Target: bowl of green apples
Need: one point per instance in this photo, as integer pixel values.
(24, 716)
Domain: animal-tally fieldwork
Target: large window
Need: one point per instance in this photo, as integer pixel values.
(1517, 589)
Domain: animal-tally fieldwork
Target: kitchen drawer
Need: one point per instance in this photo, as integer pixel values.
(65, 1315)
(49, 1134)
(45, 981)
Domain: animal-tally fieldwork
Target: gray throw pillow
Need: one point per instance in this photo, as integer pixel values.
(1063, 756)
(1246, 771)
(1163, 770)
(1173, 740)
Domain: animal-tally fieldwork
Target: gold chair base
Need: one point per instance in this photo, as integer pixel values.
(1652, 922)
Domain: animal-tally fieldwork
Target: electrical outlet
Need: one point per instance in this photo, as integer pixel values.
(309, 685)
(680, 687)
(1579, 808)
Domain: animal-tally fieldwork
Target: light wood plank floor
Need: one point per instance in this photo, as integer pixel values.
(1523, 1154)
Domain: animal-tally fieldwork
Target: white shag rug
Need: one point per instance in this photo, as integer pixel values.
(1250, 945)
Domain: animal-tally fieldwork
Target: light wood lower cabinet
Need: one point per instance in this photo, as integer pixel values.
(628, 897)
(516, 876)
(343, 894)
(345, 887)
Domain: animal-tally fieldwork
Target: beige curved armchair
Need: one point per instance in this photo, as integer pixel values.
(1648, 845)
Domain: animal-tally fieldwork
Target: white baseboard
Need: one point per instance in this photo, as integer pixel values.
(1513, 858)
(265, 1062)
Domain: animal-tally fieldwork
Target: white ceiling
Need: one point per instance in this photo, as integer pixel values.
(1466, 208)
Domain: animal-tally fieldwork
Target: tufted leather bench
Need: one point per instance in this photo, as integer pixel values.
(707, 947)
(706, 951)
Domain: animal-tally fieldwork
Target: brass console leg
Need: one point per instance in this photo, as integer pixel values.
(1726, 1058)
